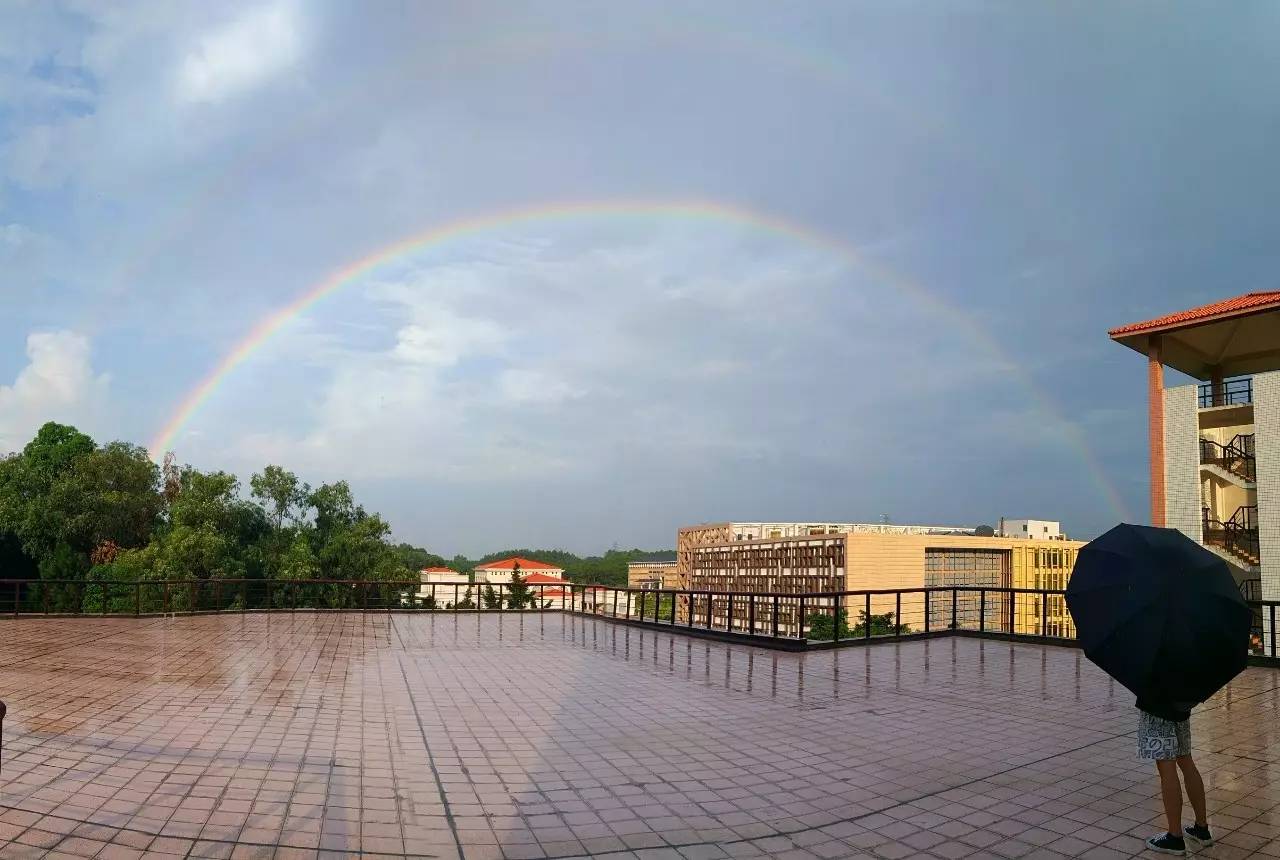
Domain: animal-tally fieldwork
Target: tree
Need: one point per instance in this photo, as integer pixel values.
(110, 495)
(822, 628)
(881, 625)
(282, 493)
(466, 602)
(415, 558)
(519, 595)
(26, 481)
(490, 598)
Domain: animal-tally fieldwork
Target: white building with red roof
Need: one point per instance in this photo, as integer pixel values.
(500, 571)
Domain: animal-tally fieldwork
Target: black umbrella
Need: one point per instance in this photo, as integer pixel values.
(1160, 614)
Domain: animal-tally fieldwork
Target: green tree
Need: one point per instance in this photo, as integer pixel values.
(284, 496)
(111, 494)
(466, 602)
(27, 481)
(519, 595)
(490, 598)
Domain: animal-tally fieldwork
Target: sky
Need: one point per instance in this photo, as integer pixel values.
(819, 261)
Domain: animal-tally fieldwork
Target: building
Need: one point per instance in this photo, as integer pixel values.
(1031, 529)
(440, 584)
(713, 560)
(500, 571)
(720, 533)
(1215, 441)
(652, 574)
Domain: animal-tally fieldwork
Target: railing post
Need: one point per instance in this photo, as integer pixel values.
(751, 614)
(191, 596)
(166, 596)
(17, 595)
(955, 617)
(897, 613)
(1013, 617)
(1044, 613)
(776, 606)
(866, 621)
(137, 598)
(728, 613)
(800, 625)
(982, 610)
(926, 610)
(1273, 631)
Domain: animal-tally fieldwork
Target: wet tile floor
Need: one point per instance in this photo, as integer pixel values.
(555, 736)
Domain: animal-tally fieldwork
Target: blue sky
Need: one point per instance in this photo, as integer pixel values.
(172, 173)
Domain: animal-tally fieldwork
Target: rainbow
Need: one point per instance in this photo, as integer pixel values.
(704, 210)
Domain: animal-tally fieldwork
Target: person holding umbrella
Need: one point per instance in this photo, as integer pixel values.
(1163, 616)
(1164, 736)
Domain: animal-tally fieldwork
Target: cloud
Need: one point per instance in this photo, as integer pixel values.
(534, 386)
(57, 384)
(241, 55)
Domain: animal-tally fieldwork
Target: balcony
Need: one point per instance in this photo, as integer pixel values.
(1233, 392)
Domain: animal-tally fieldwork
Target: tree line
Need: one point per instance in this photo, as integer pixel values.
(79, 520)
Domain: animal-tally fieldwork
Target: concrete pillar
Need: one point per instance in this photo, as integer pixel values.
(1218, 386)
(1155, 428)
(1266, 429)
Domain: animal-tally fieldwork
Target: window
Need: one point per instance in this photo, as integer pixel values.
(1024, 527)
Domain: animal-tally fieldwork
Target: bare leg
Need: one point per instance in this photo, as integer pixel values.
(1195, 789)
(1171, 792)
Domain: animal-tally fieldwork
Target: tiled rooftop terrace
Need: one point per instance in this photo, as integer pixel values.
(556, 736)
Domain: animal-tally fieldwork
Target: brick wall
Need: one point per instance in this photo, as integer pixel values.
(1182, 461)
(1266, 428)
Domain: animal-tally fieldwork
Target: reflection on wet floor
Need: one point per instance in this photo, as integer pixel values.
(554, 736)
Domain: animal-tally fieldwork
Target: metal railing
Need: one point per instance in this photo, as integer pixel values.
(163, 597)
(1233, 392)
(805, 620)
(1236, 457)
(1238, 535)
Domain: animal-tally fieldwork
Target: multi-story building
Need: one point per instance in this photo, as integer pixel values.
(1215, 443)
(712, 559)
(652, 574)
(720, 533)
(441, 584)
(500, 571)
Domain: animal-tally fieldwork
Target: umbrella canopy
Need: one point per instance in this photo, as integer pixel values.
(1160, 614)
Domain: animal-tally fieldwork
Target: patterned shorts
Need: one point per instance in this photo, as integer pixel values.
(1161, 740)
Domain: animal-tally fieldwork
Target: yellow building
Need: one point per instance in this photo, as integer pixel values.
(855, 561)
(652, 574)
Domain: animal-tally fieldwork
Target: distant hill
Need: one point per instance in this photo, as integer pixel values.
(607, 569)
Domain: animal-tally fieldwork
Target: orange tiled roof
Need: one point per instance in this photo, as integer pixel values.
(510, 563)
(439, 570)
(1227, 307)
(545, 578)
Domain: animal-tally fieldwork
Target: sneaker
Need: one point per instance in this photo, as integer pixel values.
(1200, 836)
(1167, 843)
